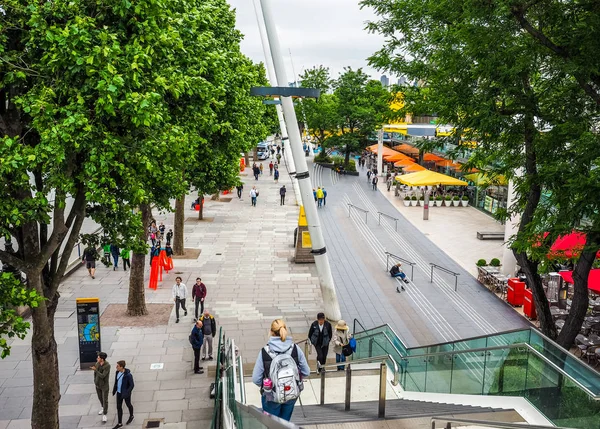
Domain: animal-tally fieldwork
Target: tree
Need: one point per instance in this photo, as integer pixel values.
(531, 119)
(98, 106)
(362, 106)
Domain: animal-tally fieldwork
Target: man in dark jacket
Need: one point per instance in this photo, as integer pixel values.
(209, 329)
(89, 259)
(101, 377)
(320, 334)
(198, 295)
(282, 192)
(196, 339)
(122, 388)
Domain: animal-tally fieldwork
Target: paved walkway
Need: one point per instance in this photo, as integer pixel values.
(245, 262)
(428, 312)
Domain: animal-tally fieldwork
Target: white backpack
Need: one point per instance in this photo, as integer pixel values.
(282, 369)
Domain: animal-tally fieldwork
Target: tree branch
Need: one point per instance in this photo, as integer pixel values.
(518, 13)
(9, 258)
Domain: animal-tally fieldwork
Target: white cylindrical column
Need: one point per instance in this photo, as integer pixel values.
(273, 80)
(330, 301)
(380, 152)
(511, 227)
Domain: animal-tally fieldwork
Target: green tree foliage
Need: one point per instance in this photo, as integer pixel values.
(100, 105)
(344, 119)
(529, 110)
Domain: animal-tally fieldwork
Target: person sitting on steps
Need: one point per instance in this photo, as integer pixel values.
(396, 271)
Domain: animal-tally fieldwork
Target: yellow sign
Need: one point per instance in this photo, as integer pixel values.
(302, 217)
(306, 243)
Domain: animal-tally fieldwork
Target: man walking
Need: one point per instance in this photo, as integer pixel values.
(89, 259)
(169, 236)
(319, 335)
(282, 192)
(276, 176)
(179, 295)
(375, 180)
(196, 339)
(253, 195)
(239, 188)
(209, 330)
(122, 388)
(271, 168)
(324, 197)
(198, 295)
(101, 377)
(114, 252)
(368, 175)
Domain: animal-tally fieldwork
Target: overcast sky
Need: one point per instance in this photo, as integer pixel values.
(327, 32)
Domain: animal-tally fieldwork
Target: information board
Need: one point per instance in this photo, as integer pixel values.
(88, 327)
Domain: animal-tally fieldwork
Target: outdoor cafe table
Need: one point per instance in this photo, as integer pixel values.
(589, 341)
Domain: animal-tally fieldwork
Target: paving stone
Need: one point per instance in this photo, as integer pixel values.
(163, 395)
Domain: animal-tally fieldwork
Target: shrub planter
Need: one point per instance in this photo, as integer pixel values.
(414, 202)
(437, 203)
(407, 202)
(447, 202)
(464, 203)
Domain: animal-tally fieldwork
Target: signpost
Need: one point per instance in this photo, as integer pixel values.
(88, 327)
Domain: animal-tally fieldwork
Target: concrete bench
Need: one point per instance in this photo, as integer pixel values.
(490, 235)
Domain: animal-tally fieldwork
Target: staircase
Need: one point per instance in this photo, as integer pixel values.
(394, 409)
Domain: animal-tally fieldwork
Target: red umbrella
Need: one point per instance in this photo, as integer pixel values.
(593, 279)
(568, 246)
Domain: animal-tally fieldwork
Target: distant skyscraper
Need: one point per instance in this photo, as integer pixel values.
(384, 81)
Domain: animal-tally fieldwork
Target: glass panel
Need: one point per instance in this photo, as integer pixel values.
(249, 422)
(414, 372)
(439, 373)
(467, 375)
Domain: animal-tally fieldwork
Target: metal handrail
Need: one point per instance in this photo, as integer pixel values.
(474, 338)
(488, 423)
(366, 212)
(354, 326)
(382, 358)
(391, 217)
(439, 267)
(306, 346)
(266, 419)
(412, 264)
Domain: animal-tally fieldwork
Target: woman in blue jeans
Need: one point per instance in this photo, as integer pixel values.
(279, 343)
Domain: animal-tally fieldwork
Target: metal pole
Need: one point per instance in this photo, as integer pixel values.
(455, 283)
(379, 219)
(274, 82)
(348, 387)
(426, 206)
(387, 262)
(322, 387)
(380, 152)
(412, 272)
(331, 304)
(366, 214)
(349, 207)
(431, 281)
(396, 227)
(370, 347)
(382, 389)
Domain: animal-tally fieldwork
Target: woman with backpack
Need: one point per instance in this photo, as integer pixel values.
(341, 343)
(278, 372)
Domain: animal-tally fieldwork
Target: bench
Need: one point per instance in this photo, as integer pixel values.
(490, 235)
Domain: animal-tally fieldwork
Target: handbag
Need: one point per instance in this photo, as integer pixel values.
(347, 350)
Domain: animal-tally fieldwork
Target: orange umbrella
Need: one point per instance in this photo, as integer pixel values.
(448, 163)
(432, 157)
(386, 150)
(404, 163)
(407, 149)
(397, 157)
(413, 168)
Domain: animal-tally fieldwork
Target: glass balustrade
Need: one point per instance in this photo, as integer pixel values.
(517, 363)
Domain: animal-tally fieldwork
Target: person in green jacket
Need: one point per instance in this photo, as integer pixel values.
(106, 258)
(101, 377)
(125, 253)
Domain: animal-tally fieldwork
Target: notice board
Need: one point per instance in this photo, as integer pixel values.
(88, 327)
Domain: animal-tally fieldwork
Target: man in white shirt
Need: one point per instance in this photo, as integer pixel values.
(179, 296)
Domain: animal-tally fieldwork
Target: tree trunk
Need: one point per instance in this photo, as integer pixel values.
(136, 302)
(201, 211)
(579, 306)
(247, 159)
(347, 158)
(178, 227)
(529, 266)
(44, 355)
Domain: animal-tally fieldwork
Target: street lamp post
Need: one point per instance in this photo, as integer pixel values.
(330, 301)
(274, 82)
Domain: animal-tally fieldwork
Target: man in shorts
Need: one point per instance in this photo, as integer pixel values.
(89, 259)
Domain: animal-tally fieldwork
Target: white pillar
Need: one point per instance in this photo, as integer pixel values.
(380, 152)
(273, 80)
(510, 228)
(330, 301)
